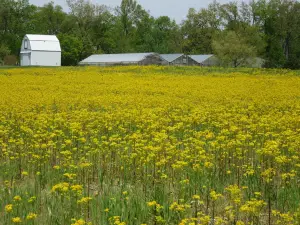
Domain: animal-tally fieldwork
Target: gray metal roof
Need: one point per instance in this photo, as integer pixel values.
(116, 58)
(170, 57)
(200, 58)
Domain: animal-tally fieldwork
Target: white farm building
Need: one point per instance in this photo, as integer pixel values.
(40, 50)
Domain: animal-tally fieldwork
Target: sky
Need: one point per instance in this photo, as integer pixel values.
(175, 9)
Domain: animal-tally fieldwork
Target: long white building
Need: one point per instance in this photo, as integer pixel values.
(124, 59)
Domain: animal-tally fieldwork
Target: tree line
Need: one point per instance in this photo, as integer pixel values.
(269, 29)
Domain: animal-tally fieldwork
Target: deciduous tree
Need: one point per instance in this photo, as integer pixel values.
(232, 49)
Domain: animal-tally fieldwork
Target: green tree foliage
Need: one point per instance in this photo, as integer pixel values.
(279, 21)
(4, 51)
(71, 47)
(200, 28)
(240, 42)
(166, 35)
(128, 12)
(15, 21)
(49, 19)
(233, 49)
(129, 17)
(102, 31)
(144, 39)
(83, 14)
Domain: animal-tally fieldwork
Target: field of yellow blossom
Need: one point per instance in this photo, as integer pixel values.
(149, 146)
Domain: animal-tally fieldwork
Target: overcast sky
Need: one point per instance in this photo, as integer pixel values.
(176, 9)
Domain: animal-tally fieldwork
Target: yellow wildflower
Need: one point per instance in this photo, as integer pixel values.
(196, 197)
(31, 216)
(8, 208)
(215, 196)
(153, 203)
(17, 198)
(24, 173)
(79, 222)
(16, 220)
(84, 200)
(61, 187)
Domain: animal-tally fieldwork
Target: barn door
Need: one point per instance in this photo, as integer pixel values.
(26, 59)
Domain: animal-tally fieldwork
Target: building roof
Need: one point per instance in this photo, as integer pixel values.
(48, 43)
(45, 46)
(170, 57)
(116, 58)
(38, 37)
(200, 58)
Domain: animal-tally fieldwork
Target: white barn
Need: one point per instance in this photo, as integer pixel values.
(40, 50)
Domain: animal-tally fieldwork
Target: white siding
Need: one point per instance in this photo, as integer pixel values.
(40, 58)
(23, 45)
(50, 46)
(25, 59)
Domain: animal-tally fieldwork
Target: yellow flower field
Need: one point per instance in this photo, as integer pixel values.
(149, 145)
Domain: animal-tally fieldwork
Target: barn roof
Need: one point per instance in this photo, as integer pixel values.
(43, 42)
(116, 58)
(200, 58)
(38, 37)
(170, 57)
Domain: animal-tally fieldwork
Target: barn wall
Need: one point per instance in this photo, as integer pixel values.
(192, 62)
(164, 62)
(212, 61)
(28, 47)
(25, 59)
(25, 54)
(182, 60)
(40, 58)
